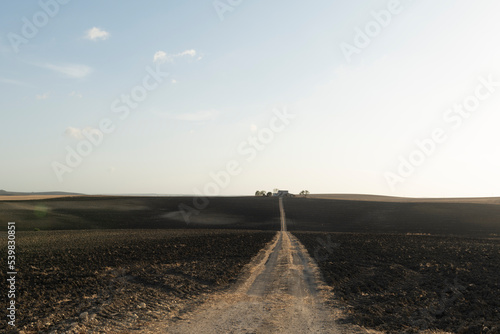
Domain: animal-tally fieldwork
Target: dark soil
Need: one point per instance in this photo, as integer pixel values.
(125, 251)
(76, 213)
(325, 215)
(405, 283)
(109, 274)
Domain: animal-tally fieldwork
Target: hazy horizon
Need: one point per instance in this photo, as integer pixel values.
(251, 194)
(391, 98)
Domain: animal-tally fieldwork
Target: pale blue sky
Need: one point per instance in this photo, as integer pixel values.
(355, 116)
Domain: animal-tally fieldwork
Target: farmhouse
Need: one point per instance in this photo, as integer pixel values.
(282, 193)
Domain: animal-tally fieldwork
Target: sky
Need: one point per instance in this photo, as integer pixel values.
(398, 98)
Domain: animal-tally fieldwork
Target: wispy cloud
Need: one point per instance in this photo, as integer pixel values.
(162, 56)
(76, 94)
(73, 132)
(70, 70)
(96, 34)
(77, 133)
(191, 53)
(197, 116)
(44, 96)
(14, 82)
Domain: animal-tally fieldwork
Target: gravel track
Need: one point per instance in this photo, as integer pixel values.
(281, 291)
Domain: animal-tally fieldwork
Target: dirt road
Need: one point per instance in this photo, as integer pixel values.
(280, 292)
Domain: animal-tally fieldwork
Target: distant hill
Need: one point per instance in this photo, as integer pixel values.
(46, 193)
(380, 198)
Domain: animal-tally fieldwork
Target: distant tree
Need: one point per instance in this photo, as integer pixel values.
(260, 193)
(275, 190)
(269, 194)
(304, 193)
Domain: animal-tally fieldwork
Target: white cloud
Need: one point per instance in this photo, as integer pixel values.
(42, 96)
(112, 169)
(76, 94)
(77, 133)
(174, 81)
(162, 56)
(95, 34)
(70, 70)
